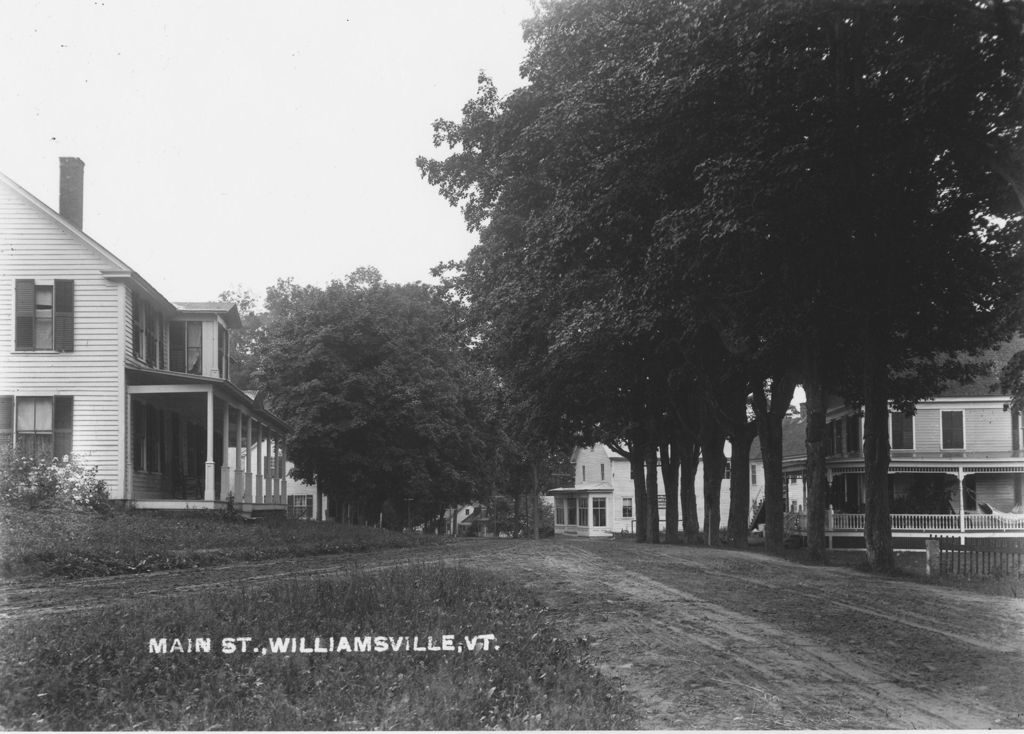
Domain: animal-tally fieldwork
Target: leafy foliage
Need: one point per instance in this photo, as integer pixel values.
(32, 483)
(384, 402)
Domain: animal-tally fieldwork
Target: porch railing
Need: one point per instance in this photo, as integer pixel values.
(854, 522)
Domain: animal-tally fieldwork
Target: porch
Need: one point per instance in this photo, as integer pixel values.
(975, 524)
(965, 495)
(202, 443)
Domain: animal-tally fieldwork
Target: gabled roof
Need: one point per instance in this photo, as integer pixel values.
(117, 269)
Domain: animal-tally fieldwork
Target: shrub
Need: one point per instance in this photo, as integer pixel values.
(35, 483)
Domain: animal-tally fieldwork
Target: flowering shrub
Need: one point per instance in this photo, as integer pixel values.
(32, 483)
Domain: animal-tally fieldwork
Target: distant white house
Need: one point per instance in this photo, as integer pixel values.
(601, 500)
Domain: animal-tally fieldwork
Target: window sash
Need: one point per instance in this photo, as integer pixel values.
(952, 429)
(600, 512)
(902, 433)
(627, 507)
(581, 509)
(42, 427)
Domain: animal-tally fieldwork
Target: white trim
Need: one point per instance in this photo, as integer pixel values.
(160, 389)
(123, 400)
(913, 418)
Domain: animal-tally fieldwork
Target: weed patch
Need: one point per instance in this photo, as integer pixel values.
(95, 670)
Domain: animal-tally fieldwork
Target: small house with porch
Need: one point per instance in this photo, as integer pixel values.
(600, 502)
(95, 362)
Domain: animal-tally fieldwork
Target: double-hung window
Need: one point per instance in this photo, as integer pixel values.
(41, 427)
(600, 512)
(187, 347)
(44, 315)
(902, 433)
(627, 507)
(952, 429)
(582, 510)
(560, 511)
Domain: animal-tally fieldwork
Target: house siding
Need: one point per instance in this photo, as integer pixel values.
(34, 246)
(987, 428)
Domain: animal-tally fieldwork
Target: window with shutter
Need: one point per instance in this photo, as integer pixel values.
(43, 426)
(44, 316)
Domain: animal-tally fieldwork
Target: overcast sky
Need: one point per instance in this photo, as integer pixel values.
(234, 143)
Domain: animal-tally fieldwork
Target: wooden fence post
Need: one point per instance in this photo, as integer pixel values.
(932, 554)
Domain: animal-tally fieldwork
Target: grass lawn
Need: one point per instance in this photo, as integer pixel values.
(95, 670)
(72, 544)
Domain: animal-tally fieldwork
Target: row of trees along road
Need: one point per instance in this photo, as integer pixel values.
(691, 206)
(393, 414)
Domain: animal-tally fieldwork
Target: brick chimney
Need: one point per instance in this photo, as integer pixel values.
(72, 188)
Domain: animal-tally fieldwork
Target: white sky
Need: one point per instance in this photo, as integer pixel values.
(233, 143)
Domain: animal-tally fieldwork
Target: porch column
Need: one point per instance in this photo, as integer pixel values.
(276, 480)
(284, 470)
(239, 483)
(225, 468)
(210, 478)
(259, 462)
(271, 467)
(963, 518)
(248, 459)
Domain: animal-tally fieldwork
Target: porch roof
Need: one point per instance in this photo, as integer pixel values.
(253, 401)
(584, 488)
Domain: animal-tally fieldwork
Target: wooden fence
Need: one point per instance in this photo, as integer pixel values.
(976, 556)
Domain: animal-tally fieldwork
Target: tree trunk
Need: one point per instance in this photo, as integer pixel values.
(670, 478)
(653, 516)
(739, 486)
(536, 504)
(712, 446)
(636, 467)
(688, 452)
(817, 477)
(771, 411)
(877, 520)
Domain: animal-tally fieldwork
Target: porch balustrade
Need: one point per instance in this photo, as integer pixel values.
(920, 523)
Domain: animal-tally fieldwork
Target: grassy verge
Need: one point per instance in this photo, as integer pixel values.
(95, 671)
(72, 544)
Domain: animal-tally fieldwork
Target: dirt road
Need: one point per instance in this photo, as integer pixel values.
(707, 639)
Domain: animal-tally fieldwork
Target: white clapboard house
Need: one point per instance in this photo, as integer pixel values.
(95, 362)
(600, 502)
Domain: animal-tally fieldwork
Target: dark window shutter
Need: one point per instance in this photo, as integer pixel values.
(1014, 429)
(64, 315)
(63, 425)
(853, 442)
(24, 314)
(6, 420)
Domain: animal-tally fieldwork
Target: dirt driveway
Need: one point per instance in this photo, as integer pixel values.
(706, 639)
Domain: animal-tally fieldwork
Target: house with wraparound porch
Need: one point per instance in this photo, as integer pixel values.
(956, 465)
(95, 362)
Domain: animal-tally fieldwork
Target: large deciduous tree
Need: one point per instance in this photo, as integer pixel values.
(384, 405)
